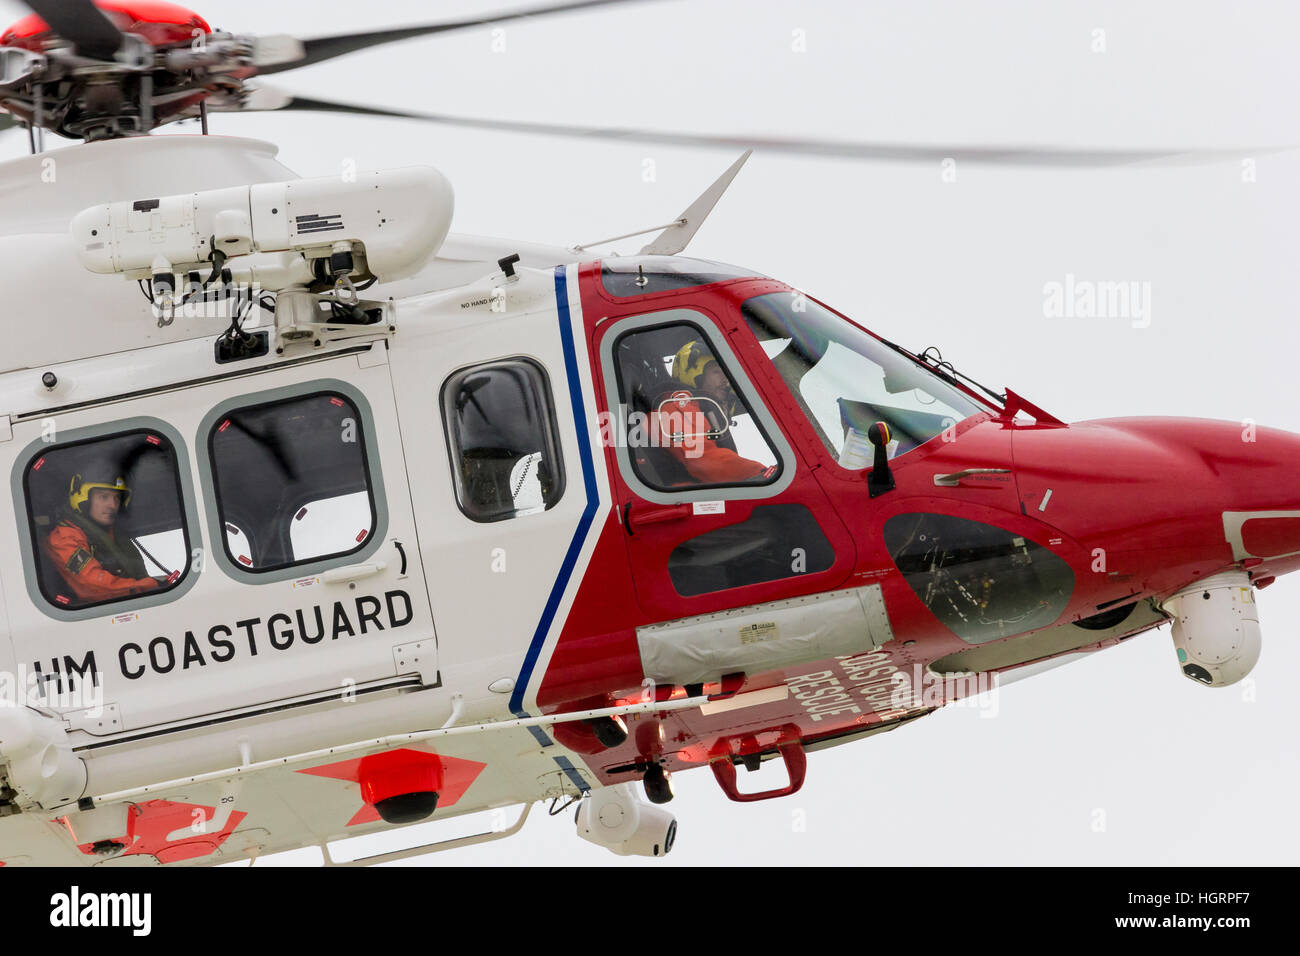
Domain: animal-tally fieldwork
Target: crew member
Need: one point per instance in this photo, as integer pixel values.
(84, 546)
(692, 431)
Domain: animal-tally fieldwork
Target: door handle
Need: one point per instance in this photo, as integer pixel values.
(973, 478)
(655, 515)
(352, 572)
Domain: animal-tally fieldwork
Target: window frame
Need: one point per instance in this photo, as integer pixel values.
(548, 418)
(211, 499)
(711, 332)
(28, 549)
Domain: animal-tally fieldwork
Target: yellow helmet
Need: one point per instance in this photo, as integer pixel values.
(81, 486)
(690, 361)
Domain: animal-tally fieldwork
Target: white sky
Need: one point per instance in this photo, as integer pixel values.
(1182, 774)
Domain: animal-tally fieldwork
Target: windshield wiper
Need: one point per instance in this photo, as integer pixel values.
(944, 369)
(936, 362)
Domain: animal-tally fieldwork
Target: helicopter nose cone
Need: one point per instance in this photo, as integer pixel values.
(1253, 468)
(1226, 491)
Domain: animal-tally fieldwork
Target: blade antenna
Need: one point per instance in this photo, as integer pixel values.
(678, 236)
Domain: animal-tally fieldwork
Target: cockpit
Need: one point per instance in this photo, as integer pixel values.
(752, 373)
(842, 378)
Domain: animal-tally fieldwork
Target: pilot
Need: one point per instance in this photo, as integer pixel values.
(84, 546)
(697, 374)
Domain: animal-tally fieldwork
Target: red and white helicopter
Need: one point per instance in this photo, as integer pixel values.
(328, 520)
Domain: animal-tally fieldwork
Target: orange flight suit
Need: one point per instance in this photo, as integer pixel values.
(706, 461)
(72, 553)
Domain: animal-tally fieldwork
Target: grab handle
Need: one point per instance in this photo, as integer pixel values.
(796, 766)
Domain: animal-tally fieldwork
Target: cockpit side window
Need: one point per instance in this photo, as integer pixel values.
(775, 542)
(292, 481)
(502, 437)
(107, 519)
(687, 425)
(845, 381)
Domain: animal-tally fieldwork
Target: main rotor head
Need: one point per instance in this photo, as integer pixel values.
(119, 68)
(116, 68)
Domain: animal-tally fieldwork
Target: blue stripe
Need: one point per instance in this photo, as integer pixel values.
(572, 773)
(589, 482)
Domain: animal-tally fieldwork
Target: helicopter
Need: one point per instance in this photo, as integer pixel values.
(666, 620)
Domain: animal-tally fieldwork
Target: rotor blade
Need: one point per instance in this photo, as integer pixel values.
(82, 23)
(326, 48)
(266, 98)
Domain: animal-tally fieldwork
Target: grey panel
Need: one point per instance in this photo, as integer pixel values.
(765, 637)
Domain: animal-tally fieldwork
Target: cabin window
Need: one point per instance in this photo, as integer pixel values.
(292, 481)
(686, 424)
(107, 519)
(502, 437)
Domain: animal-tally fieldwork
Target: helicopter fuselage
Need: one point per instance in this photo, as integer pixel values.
(516, 497)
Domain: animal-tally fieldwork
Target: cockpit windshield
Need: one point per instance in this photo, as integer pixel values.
(845, 380)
